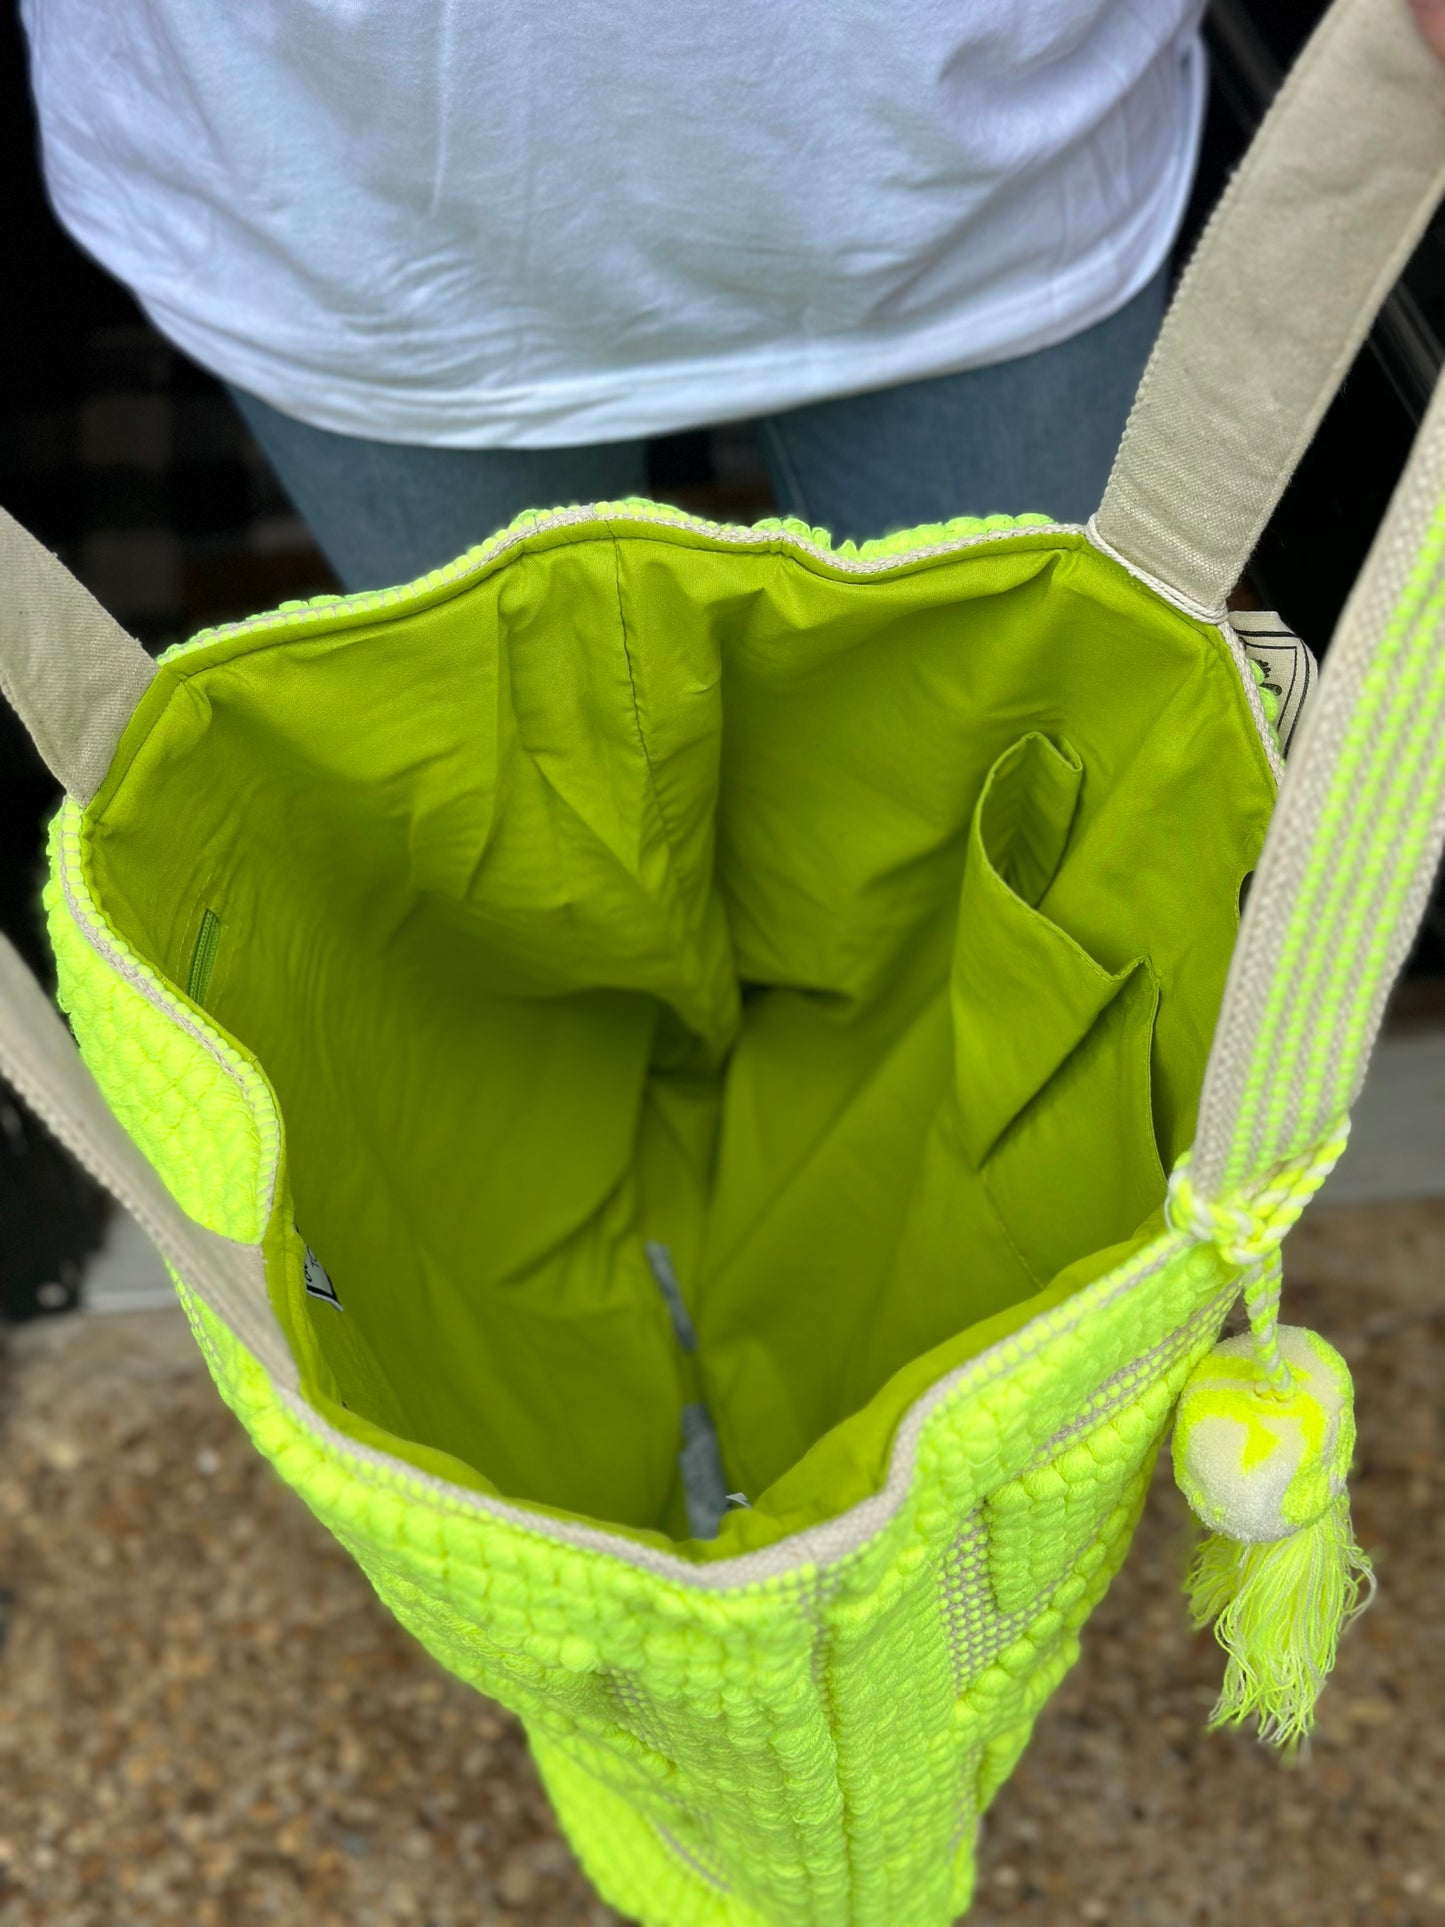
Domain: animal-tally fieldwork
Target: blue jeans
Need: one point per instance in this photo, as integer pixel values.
(1035, 433)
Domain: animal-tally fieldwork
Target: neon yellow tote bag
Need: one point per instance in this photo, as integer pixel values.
(707, 1097)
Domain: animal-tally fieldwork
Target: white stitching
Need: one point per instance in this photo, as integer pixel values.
(110, 947)
(834, 1542)
(460, 573)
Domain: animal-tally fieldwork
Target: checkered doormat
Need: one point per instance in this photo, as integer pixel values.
(149, 486)
(133, 465)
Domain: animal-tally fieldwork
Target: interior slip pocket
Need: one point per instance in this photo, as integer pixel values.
(1051, 1050)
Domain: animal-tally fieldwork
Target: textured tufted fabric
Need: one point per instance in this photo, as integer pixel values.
(197, 1106)
(828, 1734)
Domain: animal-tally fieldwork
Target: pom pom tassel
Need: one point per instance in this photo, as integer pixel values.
(1278, 1609)
(1262, 1449)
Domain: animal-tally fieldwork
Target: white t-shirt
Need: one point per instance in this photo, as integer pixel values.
(531, 223)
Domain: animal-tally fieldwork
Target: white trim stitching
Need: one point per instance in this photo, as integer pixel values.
(795, 1557)
(471, 566)
(112, 949)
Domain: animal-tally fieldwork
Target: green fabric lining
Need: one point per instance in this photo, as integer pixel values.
(857, 935)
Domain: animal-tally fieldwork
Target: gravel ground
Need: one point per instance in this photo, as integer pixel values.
(215, 1725)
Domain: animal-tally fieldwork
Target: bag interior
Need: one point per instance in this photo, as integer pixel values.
(709, 991)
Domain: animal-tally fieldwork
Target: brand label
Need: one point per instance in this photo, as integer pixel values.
(1289, 668)
(318, 1285)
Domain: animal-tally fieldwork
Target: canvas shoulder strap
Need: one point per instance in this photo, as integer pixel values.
(1347, 867)
(67, 669)
(74, 677)
(1331, 199)
(1287, 278)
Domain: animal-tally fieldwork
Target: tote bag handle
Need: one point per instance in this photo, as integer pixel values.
(67, 668)
(1295, 262)
(1346, 871)
(74, 677)
(1332, 197)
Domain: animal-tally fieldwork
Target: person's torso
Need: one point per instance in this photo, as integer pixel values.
(534, 200)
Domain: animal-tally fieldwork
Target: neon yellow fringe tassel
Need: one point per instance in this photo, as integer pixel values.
(1280, 1574)
(1278, 1610)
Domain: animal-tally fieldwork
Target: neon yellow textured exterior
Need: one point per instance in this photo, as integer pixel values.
(1041, 1524)
(198, 1108)
(807, 1751)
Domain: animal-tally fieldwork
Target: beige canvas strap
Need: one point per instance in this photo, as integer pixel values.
(1293, 267)
(74, 677)
(70, 672)
(1348, 863)
(1298, 257)
(39, 1059)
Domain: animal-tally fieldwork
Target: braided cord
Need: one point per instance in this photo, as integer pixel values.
(1262, 1287)
(1248, 1229)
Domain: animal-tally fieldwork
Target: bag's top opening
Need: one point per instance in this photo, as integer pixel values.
(856, 938)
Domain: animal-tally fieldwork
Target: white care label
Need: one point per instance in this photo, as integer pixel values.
(1290, 670)
(318, 1285)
